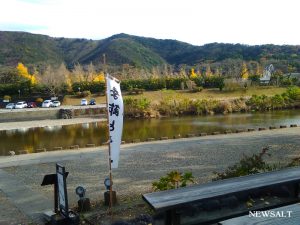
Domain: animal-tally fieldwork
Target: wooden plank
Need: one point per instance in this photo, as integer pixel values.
(170, 199)
(294, 218)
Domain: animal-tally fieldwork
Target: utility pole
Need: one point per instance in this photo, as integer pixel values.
(104, 63)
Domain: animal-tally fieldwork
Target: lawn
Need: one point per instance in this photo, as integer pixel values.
(179, 94)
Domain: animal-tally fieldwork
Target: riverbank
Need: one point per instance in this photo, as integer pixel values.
(47, 123)
(142, 163)
(66, 111)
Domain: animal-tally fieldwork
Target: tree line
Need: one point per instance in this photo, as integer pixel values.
(55, 80)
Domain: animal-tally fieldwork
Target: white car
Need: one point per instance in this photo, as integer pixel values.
(21, 105)
(47, 104)
(84, 102)
(10, 106)
(55, 103)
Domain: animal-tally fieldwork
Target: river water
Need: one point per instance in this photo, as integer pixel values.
(95, 133)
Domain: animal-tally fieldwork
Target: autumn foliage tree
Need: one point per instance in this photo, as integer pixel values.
(55, 79)
(23, 72)
(244, 72)
(193, 75)
(99, 78)
(208, 72)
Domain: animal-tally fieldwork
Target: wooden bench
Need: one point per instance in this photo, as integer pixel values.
(224, 199)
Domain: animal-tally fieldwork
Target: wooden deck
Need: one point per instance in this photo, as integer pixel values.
(169, 199)
(225, 199)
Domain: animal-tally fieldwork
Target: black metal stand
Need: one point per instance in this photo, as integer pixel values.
(60, 217)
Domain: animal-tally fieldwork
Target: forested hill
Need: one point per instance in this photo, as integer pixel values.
(137, 51)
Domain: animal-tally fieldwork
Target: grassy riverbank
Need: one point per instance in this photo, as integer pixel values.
(213, 93)
(208, 101)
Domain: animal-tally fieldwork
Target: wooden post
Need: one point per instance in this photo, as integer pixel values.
(109, 150)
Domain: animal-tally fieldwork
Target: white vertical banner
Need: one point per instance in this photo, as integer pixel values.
(115, 111)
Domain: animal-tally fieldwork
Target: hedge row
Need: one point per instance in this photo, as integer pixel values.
(153, 84)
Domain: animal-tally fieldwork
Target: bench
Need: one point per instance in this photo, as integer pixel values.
(225, 199)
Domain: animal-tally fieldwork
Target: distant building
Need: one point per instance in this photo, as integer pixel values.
(265, 79)
(292, 75)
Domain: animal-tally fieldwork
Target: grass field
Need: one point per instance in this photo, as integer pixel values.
(156, 96)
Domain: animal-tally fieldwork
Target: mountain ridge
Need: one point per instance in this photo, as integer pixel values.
(141, 52)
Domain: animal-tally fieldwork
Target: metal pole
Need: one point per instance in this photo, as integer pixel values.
(55, 195)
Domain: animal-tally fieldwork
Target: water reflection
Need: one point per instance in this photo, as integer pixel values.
(87, 133)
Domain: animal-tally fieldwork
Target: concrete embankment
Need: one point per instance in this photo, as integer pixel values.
(49, 113)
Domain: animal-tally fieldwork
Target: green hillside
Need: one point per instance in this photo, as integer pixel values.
(134, 50)
(28, 48)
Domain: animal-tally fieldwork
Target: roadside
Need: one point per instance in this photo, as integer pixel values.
(142, 163)
(47, 123)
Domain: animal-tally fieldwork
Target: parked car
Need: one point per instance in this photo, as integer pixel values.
(47, 104)
(92, 102)
(31, 105)
(55, 103)
(83, 102)
(10, 106)
(21, 105)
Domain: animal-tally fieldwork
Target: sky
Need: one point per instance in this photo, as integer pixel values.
(193, 21)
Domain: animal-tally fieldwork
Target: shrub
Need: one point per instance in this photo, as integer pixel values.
(7, 98)
(247, 165)
(232, 86)
(254, 78)
(172, 180)
(224, 107)
(252, 165)
(93, 87)
(293, 93)
(134, 107)
(85, 94)
(214, 82)
(39, 100)
(199, 81)
(259, 103)
(277, 102)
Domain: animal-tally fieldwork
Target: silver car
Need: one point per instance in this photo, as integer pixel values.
(10, 106)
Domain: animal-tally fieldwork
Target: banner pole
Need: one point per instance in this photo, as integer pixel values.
(109, 150)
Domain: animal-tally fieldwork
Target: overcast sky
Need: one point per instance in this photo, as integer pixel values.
(193, 21)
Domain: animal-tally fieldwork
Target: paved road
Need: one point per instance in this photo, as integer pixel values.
(54, 108)
(141, 164)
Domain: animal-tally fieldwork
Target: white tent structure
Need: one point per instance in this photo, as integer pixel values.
(265, 79)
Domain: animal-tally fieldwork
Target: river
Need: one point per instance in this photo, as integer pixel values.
(95, 133)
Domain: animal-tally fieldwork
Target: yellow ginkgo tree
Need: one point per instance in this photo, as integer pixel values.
(244, 72)
(193, 75)
(99, 78)
(23, 72)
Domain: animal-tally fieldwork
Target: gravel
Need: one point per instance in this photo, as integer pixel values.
(141, 164)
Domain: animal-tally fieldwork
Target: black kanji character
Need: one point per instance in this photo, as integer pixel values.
(112, 126)
(114, 109)
(114, 93)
